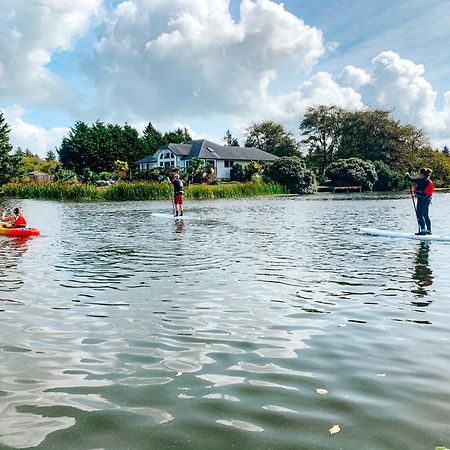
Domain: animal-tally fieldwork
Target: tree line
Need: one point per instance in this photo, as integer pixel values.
(335, 145)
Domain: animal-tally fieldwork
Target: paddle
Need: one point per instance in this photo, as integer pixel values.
(415, 206)
(172, 197)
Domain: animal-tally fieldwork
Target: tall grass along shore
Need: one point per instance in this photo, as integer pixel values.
(137, 190)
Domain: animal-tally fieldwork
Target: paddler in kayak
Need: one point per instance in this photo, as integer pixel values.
(16, 219)
(177, 194)
(423, 191)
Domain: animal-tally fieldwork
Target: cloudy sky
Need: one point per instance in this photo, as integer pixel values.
(211, 65)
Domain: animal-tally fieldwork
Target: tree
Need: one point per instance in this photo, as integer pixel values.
(351, 172)
(272, 138)
(446, 151)
(229, 140)
(291, 172)
(11, 166)
(321, 127)
(50, 156)
(376, 136)
(199, 171)
(152, 139)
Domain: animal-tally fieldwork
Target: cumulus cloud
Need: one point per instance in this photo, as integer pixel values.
(189, 57)
(27, 135)
(31, 32)
(354, 77)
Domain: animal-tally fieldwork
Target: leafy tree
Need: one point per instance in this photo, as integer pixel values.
(199, 171)
(376, 136)
(11, 166)
(229, 140)
(351, 172)
(252, 169)
(68, 176)
(272, 138)
(321, 127)
(292, 173)
(35, 163)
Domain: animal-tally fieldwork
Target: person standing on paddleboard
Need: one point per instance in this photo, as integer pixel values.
(177, 194)
(423, 191)
(17, 219)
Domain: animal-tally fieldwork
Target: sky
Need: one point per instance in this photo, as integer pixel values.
(213, 65)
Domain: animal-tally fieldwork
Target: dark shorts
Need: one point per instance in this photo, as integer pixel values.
(179, 198)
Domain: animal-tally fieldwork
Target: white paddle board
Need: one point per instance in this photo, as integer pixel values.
(397, 234)
(171, 216)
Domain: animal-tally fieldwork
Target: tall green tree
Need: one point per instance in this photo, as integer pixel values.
(96, 147)
(272, 138)
(11, 166)
(321, 128)
(229, 140)
(374, 135)
(152, 139)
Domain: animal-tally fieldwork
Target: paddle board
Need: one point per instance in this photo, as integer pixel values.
(171, 216)
(397, 234)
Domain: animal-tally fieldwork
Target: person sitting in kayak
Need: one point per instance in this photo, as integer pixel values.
(423, 191)
(177, 194)
(16, 219)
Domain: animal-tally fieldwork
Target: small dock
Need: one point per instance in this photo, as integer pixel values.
(335, 189)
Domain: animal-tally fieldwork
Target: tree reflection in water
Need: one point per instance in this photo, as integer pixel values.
(422, 275)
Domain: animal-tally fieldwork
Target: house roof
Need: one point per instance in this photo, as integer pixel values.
(147, 159)
(205, 149)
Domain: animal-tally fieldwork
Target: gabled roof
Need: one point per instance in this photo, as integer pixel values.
(205, 149)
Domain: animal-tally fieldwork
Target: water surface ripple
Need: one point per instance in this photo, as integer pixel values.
(125, 331)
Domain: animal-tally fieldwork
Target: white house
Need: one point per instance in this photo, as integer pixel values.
(221, 157)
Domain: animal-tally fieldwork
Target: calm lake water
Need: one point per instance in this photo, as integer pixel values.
(120, 330)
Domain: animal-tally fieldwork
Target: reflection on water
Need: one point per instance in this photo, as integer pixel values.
(220, 332)
(422, 274)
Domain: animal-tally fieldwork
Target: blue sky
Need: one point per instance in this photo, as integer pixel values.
(211, 65)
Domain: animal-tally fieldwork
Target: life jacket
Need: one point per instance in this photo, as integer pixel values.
(20, 222)
(424, 189)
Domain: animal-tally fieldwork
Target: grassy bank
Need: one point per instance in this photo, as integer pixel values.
(138, 190)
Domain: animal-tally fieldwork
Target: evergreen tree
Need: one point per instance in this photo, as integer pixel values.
(229, 140)
(11, 166)
(446, 151)
(51, 156)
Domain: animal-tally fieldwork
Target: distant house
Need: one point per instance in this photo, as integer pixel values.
(39, 177)
(221, 157)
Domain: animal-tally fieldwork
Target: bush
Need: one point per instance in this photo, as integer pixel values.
(352, 172)
(388, 178)
(290, 171)
(237, 172)
(65, 175)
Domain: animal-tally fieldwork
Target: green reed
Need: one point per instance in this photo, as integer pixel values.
(137, 190)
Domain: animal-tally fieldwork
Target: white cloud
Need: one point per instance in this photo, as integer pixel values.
(354, 77)
(400, 83)
(184, 58)
(31, 32)
(26, 135)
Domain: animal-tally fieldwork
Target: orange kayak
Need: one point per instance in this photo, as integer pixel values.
(18, 232)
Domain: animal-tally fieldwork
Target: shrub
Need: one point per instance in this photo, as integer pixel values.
(352, 172)
(65, 175)
(388, 178)
(237, 172)
(291, 172)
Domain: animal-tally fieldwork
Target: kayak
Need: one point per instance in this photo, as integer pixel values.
(398, 234)
(19, 232)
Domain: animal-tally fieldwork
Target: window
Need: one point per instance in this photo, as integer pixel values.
(161, 164)
(228, 164)
(167, 164)
(211, 162)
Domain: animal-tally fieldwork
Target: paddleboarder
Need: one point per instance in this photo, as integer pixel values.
(423, 191)
(177, 194)
(16, 219)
